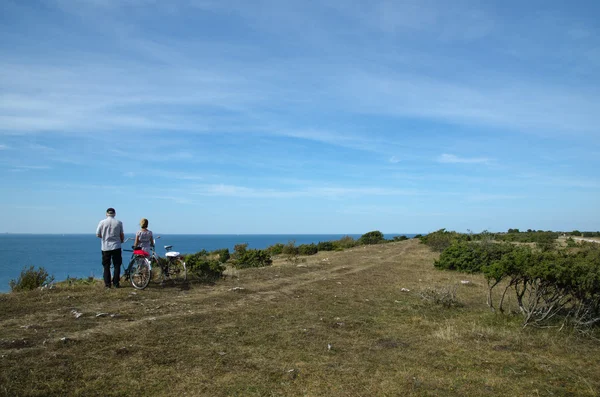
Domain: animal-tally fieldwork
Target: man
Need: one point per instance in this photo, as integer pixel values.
(110, 231)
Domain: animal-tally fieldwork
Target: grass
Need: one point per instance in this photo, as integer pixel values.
(336, 324)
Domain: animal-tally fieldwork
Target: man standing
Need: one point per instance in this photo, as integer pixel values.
(110, 231)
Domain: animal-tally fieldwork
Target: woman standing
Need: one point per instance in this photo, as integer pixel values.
(144, 237)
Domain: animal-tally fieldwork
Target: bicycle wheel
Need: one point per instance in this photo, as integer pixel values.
(140, 273)
(177, 269)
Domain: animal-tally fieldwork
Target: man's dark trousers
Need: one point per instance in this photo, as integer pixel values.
(117, 260)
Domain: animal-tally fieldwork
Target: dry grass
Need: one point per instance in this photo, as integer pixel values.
(337, 324)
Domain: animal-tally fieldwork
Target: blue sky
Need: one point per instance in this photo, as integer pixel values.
(277, 116)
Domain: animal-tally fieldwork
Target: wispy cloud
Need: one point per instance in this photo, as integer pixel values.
(35, 207)
(21, 168)
(314, 192)
(493, 197)
(451, 158)
(361, 103)
(175, 199)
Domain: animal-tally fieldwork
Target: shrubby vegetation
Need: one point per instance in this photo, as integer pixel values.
(374, 237)
(276, 249)
(291, 250)
(442, 239)
(205, 266)
(31, 279)
(223, 254)
(444, 296)
(471, 256)
(344, 243)
(243, 257)
(307, 249)
(325, 246)
(590, 234)
(548, 284)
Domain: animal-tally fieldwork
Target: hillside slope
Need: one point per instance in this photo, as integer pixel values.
(348, 323)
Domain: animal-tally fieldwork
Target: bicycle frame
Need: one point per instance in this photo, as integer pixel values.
(146, 264)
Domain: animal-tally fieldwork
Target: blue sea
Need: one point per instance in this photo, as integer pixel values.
(78, 255)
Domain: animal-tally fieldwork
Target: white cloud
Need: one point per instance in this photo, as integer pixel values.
(394, 160)
(451, 158)
(312, 192)
(493, 197)
(30, 167)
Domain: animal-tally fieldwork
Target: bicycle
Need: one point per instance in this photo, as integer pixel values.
(139, 270)
(172, 267)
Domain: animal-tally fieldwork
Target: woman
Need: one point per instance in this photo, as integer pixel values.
(143, 237)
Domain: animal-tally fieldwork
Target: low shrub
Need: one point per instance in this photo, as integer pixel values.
(290, 249)
(276, 249)
(31, 279)
(239, 249)
(253, 258)
(399, 238)
(307, 249)
(204, 268)
(223, 254)
(471, 257)
(325, 246)
(374, 237)
(442, 239)
(344, 243)
(443, 296)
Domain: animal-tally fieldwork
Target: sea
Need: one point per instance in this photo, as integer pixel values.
(79, 255)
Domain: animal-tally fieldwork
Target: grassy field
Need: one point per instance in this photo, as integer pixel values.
(349, 323)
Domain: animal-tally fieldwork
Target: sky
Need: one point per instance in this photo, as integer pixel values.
(299, 116)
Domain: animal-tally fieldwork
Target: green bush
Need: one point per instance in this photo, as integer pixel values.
(442, 239)
(344, 243)
(203, 267)
(290, 249)
(590, 234)
(544, 239)
(31, 279)
(400, 238)
(550, 285)
(253, 258)
(239, 249)
(471, 257)
(276, 249)
(325, 246)
(374, 237)
(223, 254)
(307, 249)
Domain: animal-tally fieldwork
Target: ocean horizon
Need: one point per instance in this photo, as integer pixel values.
(79, 255)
